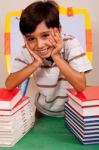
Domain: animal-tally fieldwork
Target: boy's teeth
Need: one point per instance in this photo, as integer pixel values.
(44, 49)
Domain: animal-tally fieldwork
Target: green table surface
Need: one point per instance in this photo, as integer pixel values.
(50, 133)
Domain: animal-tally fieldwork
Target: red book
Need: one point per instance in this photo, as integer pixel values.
(8, 99)
(21, 103)
(85, 103)
(89, 97)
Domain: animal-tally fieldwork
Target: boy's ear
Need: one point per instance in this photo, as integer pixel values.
(24, 38)
(60, 28)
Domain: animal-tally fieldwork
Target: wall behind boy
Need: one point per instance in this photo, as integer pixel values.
(92, 7)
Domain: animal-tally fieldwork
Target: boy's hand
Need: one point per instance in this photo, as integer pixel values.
(56, 41)
(37, 59)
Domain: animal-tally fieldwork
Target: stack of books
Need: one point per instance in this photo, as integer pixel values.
(16, 116)
(82, 114)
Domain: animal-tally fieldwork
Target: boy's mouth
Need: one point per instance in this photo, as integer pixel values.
(44, 51)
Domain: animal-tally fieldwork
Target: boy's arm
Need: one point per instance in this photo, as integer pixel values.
(16, 78)
(75, 78)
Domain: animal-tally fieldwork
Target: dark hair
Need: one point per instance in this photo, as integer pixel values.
(37, 12)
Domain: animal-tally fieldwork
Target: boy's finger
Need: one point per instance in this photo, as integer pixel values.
(53, 36)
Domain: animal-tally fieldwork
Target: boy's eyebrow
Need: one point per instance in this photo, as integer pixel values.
(45, 32)
(30, 35)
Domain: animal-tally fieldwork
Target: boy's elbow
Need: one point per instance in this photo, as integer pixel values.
(8, 85)
(9, 88)
(81, 87)
(80, 84)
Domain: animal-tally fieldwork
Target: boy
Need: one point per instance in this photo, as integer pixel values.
(56, 63)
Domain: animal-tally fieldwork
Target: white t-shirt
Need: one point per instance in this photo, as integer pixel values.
(51, 83)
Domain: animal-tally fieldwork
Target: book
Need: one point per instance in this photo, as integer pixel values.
(82, 114)
(89, 97)
(86, 128)
(87, 133)
(14, 126)
(87, 120)
(8, 99)
(84, 140)
(83, 110)
(23, 101)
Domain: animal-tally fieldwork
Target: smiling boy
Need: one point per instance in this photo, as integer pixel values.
(56, 62)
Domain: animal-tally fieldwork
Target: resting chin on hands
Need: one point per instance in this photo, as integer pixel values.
(37, 59)
(57, 42)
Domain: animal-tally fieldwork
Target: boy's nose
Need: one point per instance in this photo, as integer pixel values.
(40, 43)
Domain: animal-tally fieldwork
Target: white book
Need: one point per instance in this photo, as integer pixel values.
(9, 142)
(23, 101)
(23, 117)
(12, 142)
(84, 111)
(9, 118)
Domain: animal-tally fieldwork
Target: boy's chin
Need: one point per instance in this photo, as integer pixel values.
(46, 56)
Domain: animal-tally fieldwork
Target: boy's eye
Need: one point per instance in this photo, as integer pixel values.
(45, 35)
(30, 39)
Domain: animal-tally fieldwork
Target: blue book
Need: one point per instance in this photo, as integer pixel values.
(86, 131)
(79, 136)
(84, 120)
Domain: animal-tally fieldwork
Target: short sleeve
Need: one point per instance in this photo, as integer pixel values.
(21, 61)
(76, 56)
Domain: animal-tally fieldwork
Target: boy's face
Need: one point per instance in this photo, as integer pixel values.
(39, 42)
